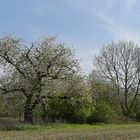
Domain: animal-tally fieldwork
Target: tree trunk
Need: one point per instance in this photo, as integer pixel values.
(28, 114)
(28, 110)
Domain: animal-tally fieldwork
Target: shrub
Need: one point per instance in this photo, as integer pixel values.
(103, 113)
(138, 115)
(66, 111)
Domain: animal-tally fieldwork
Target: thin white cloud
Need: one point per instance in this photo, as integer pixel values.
(118, 30)
(101, 10)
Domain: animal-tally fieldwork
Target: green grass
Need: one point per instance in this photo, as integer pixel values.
(72, 132)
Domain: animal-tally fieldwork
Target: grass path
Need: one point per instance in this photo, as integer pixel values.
(74, 132)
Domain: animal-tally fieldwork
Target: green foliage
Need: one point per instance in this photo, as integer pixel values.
(102, 90)
(138, 115)
(61, 110)
(75, 110)
(103, 113)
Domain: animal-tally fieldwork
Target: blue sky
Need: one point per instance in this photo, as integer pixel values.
(84, 24)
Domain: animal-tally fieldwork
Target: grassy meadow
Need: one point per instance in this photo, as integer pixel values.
(72, 132)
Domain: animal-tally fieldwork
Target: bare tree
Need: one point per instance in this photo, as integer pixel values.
(33, 71)
(120, 63)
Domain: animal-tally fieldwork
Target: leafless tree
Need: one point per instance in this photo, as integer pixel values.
(120, 63)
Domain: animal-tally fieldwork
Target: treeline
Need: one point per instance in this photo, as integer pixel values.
(43, 82)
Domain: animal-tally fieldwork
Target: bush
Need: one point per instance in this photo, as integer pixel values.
(138, 115)
(103, 113)
(66, 111)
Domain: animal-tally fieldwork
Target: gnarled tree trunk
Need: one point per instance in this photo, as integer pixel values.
(28, 110)
(28, 114)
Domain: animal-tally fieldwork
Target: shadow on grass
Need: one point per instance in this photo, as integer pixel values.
(15, 125)
(21, 128)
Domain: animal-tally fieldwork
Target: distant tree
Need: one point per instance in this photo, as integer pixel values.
(119, 63)
(34, 71)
